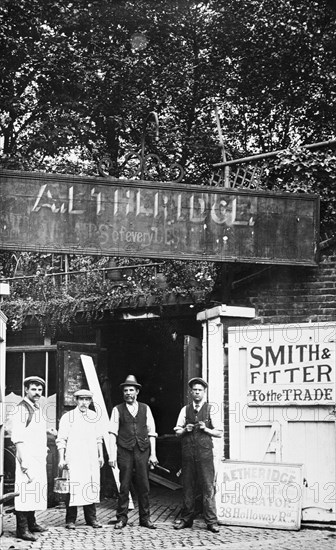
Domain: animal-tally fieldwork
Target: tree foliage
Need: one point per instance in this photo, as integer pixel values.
(74, 78)
(79, 79)
(303, 171)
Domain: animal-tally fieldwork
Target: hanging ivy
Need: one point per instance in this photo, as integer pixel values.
(56, 304)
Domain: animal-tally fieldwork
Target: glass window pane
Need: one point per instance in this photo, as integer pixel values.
(14, 373)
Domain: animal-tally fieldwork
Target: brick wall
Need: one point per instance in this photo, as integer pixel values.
(283, 294)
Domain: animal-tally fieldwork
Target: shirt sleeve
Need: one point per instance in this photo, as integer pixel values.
(99, 436)
(114, 422)
(19, 425)
(150, 424)
(181, 421)
(63, 433)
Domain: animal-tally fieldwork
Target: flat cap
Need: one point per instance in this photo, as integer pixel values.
(83, 393)
(33, 379)
(197, 380)
(130, 381)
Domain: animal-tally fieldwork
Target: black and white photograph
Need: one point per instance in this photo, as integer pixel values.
(167, 274)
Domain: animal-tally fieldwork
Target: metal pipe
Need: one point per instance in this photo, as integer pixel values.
(66, 273)
(248, 277)
(331, 143)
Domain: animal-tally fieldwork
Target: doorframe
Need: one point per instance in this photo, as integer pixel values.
(3, 327)
(215, 361)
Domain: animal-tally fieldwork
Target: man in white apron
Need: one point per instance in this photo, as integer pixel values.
(80, 447)
(29, 434)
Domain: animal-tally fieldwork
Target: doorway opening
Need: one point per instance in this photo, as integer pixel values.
(161, 354)
(155, 351)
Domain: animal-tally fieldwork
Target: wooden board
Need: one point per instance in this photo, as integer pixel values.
(163, 481)
(259, 494)
(74, 377)
(71, 376)
(112, 217)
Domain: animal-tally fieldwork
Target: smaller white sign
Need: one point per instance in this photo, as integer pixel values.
(259, 494)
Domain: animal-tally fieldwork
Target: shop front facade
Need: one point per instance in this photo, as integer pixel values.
(274, 283)
(282, 321)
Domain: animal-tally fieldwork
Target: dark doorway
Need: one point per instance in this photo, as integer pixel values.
(152, 350)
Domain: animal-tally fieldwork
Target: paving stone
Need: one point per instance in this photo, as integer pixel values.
(165, 508)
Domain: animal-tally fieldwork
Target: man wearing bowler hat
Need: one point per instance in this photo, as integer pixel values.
(29, 434)
(80, 447)
(132, 445)
(196, 425)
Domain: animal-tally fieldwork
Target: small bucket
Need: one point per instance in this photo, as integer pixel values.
(62, 486)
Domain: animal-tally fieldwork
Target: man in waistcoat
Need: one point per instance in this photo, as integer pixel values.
(196, 425)
(29, 434)
(132, 445)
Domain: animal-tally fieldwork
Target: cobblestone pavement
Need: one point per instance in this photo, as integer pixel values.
(164, 509)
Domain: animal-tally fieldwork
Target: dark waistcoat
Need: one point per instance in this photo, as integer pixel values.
(133, 429)
(197, 437)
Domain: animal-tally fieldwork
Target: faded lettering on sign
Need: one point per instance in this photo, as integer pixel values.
(115, 217)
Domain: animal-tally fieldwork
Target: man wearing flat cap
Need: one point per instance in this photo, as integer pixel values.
(132, 445)
(197, 425)
(29, 434)
(80, 447)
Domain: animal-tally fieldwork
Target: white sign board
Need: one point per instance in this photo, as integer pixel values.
(296, 367)
(259, 494)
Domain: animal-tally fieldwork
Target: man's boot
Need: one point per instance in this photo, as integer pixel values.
(22, 531)
(32, 525)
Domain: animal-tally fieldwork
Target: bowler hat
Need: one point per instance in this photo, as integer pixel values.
(33, 380)
(197, 380)
(83, 393)
(131, 381)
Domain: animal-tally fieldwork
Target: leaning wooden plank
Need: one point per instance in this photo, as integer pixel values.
(163, 481)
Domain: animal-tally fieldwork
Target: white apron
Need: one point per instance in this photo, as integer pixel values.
(79, 434)
(33, 496)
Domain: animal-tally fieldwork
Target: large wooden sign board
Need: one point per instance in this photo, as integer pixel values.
(113, 217)
(259, 494)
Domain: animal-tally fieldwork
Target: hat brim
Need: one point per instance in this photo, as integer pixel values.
(130, 384)
(197, 381)
(83, 394)
(34, 380)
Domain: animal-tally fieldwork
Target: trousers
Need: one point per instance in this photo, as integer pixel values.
(90, 514)
(128, 460)
(198, 471)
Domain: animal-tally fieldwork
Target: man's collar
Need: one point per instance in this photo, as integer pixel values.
(81, 412)
(33, 405)
(132, 405)
(199, 404)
